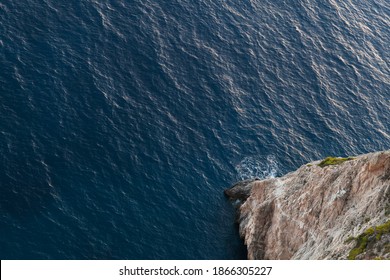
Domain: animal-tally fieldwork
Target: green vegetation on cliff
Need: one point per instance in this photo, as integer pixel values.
(369, 237)
(334, 161)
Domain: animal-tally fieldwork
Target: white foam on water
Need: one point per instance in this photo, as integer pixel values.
(257, 167)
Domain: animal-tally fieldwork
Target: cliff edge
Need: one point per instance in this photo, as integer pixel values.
(337, 208)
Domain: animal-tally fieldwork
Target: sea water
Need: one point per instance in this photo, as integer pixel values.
(122, 121)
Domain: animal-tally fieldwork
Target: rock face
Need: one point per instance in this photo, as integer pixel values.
(337, 211)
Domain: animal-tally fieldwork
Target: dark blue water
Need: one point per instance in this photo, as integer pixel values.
(122, 122)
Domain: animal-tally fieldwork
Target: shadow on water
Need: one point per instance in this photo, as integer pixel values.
(242, 251)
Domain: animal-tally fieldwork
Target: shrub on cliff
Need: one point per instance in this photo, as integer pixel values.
(334, 161)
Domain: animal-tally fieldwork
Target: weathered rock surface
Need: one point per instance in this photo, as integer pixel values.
(313, 212)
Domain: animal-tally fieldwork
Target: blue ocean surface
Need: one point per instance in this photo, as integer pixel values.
(122, 121)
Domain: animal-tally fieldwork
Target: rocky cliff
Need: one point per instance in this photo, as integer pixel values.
(337, 208)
